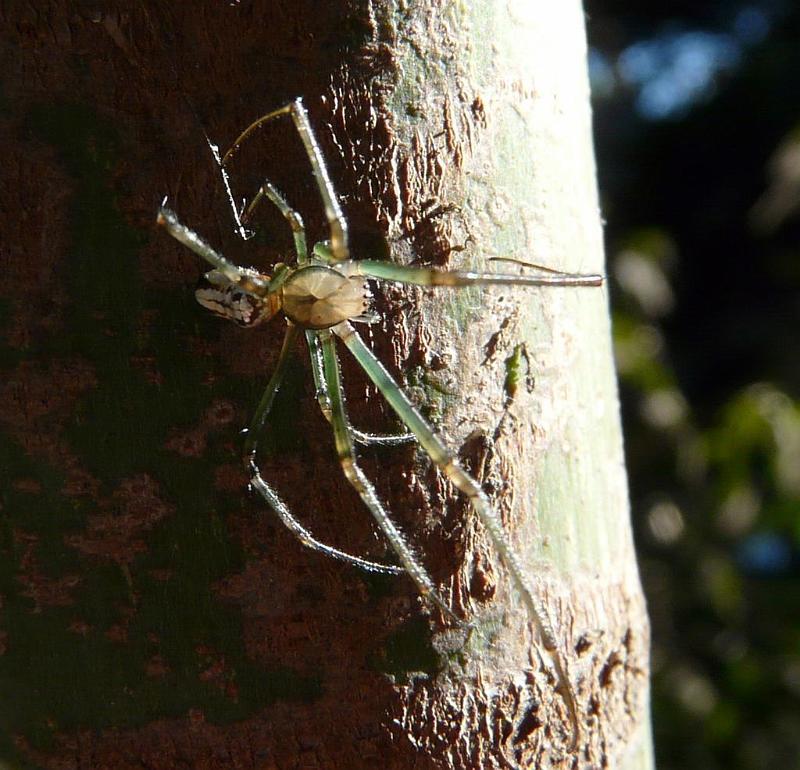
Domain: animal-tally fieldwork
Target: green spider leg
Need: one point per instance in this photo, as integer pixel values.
(447, 462)
(433, 276)
(321, 388)
(270, 192)
(245, 280)
(268, 492)
(333, 212)
(356, 477)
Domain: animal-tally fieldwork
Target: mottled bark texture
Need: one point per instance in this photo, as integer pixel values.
(155, 614)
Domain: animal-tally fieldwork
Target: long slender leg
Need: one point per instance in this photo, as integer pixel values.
(270, 192)
(269, 494)
(333, 212)
(362, 485)
(429, 276)
(268, 397)
(367, 439)
(432, 276)
(382, 439)
(450, 466)
(305, 537)
(246, 280)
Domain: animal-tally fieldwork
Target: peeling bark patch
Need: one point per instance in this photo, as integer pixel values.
(483, 585)
(43, 590)
(465, 729)
(611, 684)
(408, 653)
(118, 533)
(586, 641)
(220, 414)
(479, 111)
(191, 443)
(497, 341)
(408, 185)
(614, 662)
(530, 722)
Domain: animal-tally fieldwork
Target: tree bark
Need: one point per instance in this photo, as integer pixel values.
(154, 613)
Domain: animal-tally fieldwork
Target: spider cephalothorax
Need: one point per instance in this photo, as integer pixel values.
(320, 295)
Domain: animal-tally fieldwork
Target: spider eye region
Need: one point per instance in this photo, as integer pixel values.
(318, 297)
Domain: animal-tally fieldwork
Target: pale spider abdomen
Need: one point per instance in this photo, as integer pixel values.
(318, 297)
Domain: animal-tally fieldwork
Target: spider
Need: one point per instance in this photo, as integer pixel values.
(320, 295)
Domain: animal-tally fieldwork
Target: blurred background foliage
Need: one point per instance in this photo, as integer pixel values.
(697, 116)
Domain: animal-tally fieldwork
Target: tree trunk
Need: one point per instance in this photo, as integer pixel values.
(156, 614)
